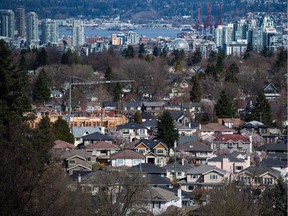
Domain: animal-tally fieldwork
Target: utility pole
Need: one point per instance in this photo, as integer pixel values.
(87, 82)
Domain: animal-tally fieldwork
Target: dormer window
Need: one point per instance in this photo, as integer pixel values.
(230, 144)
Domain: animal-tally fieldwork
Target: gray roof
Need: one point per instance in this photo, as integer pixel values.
(81, 131)
(202, 169)
(269, 162)
(179, 167)
(154, 104)
(175, 114)
(157, 180)
(132, 104)
(221, 157)
(97, 137)
(127, 154)
(150, 123)
(184, 139)
(151, 143)
(160, 194)
(148, 168)
(130, 125)
(273, 147)
(193, 146)
(260, 170)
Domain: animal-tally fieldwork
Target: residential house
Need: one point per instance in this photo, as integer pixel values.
(274, 150)
(132, 106)
(96, 137)
(260, 175)
(204, 177)
(152, 107)
(230, 122)
(148, 169)
(178, 89)
(194, 151)
(109, 105)
(270, 91)
(177, 170)
(232, 142)
(155, 151)
(151, 125)
(192, 109)
(79, 132)
(229, 163)
(184, 130)
(212, 128)
(127, 158)
(276, 164)
(62, 145)
(147, 117)
(101, 151)
(159, 199)
(76, 160)
(56, 94)
(91, 107)
(132, 131)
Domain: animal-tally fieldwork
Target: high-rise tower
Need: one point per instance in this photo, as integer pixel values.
(7, 23)
(32, 29)
(78, 33)
(20, 22)
(49, 31)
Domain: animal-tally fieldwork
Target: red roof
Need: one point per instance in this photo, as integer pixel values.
(102, 145)
(231, 137)
(60, 144)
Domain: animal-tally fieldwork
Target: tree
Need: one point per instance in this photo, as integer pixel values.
(137, 117)
(129, 52)
(195, 93)
(156, 51)
(14, 100)
(117, 92)
(224, 107)
(212, 56)
(196, 57)
(41, 58)
(41, 90)
(220, 63)
(266, 52)
(231, 73)
(108, 73)
(274, 199)
(166, 129)
(61, 131)
(262, 110)
(248, 50)
(141, 50)
(119, 193)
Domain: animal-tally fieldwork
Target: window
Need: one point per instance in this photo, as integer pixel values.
(94, 152)
(71, 162)
(103, 152)
(194, 176)
(136, 161)
(179, 173)
(159, 160)
(141, 131)
(238, 168)
(142, 151)
(268, 181)
(120, 162)
(230, 144)
(240, 145)
(125, 131)
(159, 151)
(213, 177)
(203, 153)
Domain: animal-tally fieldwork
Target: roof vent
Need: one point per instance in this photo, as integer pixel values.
(191, 146)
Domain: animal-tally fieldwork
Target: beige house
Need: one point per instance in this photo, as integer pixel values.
(203, 176)
(211, 128)
(260, 175)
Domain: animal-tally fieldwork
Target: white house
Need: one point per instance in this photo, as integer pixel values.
(127, 158)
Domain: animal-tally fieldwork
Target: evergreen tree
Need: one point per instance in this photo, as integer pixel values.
(224, 107)
(195, 93)
(262, 110)
(196, 57)
(61, 131)
(14, 99)
(41, 58)
(266, 52)
(117, 92)
(141, 50)
(156, 51)
(220, 63)
(212, 56)
(166, 129)
(129, 52)
(231, 73)
(41, 90)
(281, 60)
(248, 50)
(211, 71)
(164, 52)
(108, 73)
(137, 117)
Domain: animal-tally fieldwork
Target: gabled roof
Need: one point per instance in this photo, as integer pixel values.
(153, 104)
(269, 162)
(203, 169)
(150, 123)
(175, 114)
(269, 87)
(158, 180)
(231, 138)
(148, 168)
(184, 139)
(60, 144)
(130, 125)
(260, 170)
(147, 116)
(97, 137)
(193, 146)
(75, 152)
(82, 164)
(81, 131)
(160, 194)
(133, 104)
(185, 195)
(215, 127)
(127, 154)
(178, 166)
(109, 104)
(151, 144)
(220, 158)
(101, 145)
(273, 147)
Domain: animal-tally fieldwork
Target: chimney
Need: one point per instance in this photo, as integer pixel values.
(182, 161)
(79, 178)
(199, 126)
(179, 194)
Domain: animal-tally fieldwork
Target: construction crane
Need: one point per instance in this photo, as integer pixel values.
(87, 82)
(198, 20)
(219, 19)
(208, 22)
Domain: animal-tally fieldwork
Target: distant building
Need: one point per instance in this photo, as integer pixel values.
(20, 22)
(49, 31)
(32, 29)
(7, 23)
(78, 38)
